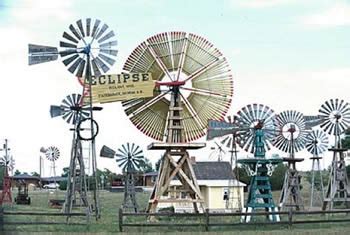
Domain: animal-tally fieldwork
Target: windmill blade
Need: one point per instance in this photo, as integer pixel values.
(317, 142)
(98, 52)
(167, 56)
(129, 157)
(255, 116)
(52, 153)
(70, 38)
(291, 132)
(71, 116)
(38, 54)
(335, 116)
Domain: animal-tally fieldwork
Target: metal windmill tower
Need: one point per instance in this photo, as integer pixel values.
(7, 162)
(257, 140)
(73, 112)
(52, 153)
(129, 158)
(335, 117)
(193, 85)
(229, 140)
(316, 144)
(86, 49)
(291, 137)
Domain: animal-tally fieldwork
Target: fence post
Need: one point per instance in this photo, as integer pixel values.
(207, 219)
(1, 218)
(290, 218)
(120, 219)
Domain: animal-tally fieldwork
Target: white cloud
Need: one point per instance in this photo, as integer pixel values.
(261, 3)
(336, 15)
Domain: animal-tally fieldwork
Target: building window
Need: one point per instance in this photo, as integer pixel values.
(225, 198)
(183, 195)
(153, 179)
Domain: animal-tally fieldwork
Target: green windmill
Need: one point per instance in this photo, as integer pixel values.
(254, 130)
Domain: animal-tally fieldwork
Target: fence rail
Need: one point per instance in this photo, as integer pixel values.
(4, 214)
(206, 222)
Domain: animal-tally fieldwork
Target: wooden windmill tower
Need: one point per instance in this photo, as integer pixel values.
(335, 117)
(7, 162)
(73, 112)
(129, 158)
(316, 144)
(193, 85)
(291, 137)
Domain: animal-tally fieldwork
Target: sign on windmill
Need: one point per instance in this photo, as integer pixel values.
(119, 87)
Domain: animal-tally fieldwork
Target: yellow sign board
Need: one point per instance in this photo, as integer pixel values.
(119, 87)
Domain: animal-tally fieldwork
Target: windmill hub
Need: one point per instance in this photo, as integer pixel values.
(337, 116)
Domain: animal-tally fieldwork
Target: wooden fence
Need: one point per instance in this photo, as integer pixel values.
(204, 220)
(6, 214)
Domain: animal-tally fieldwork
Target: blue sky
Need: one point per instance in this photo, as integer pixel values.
(288, 54)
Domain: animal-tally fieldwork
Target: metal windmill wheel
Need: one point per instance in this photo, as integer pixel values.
(87, 48)
(200, 74)
(129, 158)
(291, 133)
(7, 161)
(252, 117)
(70, 108)
(316, 142)
(335, 116)
(52, 153)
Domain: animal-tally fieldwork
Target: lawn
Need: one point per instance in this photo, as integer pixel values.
(108, 223)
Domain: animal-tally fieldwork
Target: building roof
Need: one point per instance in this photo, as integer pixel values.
(54, 178)
(213, 171)
(25, 176)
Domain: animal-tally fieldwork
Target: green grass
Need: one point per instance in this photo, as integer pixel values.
(108, 223)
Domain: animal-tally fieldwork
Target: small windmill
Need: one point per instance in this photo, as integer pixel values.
(316, 144)
(8, 163)
(217, 152)
(335, 117)
(52, 153)
(291, 137)
(129, 158)
(75, 113)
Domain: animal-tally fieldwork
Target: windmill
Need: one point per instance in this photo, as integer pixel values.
(87, 49)
(217, 152)
(291, 138)
(75, 113)
(129, 158)
(254, 131)
(316, 144)
(52, 153)
(7, 162)
(335, 117)
(193, 85)
(230, 142)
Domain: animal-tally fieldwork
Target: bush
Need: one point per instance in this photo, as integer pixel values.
(63, 185)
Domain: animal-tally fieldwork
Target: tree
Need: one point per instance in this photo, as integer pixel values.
(65, 172)
(34, 173)
(17, 172)
(325, 176)
(276, 179)
(146, 166)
